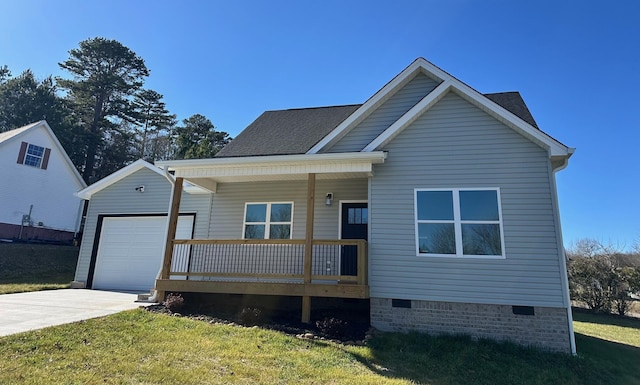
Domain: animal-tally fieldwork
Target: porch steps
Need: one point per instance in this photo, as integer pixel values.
(146, 297)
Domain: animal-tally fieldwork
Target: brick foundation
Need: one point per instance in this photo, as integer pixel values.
(548, 328)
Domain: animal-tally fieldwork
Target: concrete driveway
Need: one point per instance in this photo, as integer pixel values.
(29, 311)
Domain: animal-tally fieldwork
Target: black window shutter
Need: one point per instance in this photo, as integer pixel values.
(22, 153)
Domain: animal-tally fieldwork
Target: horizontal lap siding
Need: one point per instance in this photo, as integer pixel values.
(227, 211)
(385, 115)
(122, 198)
(454, 145)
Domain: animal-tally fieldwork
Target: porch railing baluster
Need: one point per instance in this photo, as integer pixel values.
(266, 260)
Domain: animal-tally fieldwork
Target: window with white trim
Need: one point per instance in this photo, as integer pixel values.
(34, 155)
(268, 220)
(459, 222)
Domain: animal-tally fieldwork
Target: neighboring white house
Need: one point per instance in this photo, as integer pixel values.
(38, 182)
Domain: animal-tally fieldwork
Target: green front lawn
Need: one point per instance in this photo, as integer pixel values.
(138, 347)
(610, 343)
(32, 267)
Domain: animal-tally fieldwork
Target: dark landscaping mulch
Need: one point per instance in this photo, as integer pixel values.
(347, 327)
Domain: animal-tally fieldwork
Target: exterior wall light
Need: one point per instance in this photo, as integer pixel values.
(140, 189)
(328, 199)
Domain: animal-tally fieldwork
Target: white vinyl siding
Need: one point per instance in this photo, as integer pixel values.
(457, 145)
(50, 191)
(385, 115)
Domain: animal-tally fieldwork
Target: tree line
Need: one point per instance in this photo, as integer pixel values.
(102, 114)
(603, 278)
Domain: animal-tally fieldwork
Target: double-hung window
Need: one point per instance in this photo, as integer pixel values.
(34, 156)
(459, 223)
(268, 220)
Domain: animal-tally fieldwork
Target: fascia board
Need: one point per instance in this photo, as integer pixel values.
(373, 157)
(115, 177)
(193, 174)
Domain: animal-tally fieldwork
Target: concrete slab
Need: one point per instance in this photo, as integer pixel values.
(22, 312)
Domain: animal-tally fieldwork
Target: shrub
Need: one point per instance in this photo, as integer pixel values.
(591, 281)
(250, 316)
(173, 302)
(333, 327)
(602, 278)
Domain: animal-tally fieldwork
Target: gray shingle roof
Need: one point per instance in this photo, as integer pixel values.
(295, 131)
(513, 102)
(287, 132)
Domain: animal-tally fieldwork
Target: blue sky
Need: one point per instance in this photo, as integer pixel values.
(576, 63)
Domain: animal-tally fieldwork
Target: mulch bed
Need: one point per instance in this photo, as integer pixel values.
(349, 330)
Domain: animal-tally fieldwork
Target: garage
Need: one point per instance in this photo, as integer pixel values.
(129, 253)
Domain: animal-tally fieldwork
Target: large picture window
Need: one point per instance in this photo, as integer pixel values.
(459, 223)
(268, 220)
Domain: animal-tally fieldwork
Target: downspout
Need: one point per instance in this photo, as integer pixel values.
(563, 268)
(79, 219)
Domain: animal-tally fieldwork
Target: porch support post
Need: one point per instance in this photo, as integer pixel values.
(362, 262)
(308, 245)
(171, 233)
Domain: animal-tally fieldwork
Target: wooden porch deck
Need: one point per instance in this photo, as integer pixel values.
(268, 267)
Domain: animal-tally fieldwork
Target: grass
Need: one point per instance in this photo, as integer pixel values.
(138, 347)
(610, 343)
(32, 267)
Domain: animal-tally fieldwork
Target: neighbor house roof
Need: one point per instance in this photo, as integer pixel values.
(5, 136)
(287, 132)
(295, 131)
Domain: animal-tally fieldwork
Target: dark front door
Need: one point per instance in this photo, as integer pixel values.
(355, 219)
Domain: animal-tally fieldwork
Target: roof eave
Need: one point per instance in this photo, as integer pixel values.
(107, 181)
(373, 157)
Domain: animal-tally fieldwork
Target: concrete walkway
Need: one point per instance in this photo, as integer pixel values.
(36, 310)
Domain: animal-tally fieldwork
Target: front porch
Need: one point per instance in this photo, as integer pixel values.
(298, 265)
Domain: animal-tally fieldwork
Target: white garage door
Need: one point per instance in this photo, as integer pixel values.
(130, 251)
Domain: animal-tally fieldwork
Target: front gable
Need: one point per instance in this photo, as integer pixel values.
(385, 115)
(359, 128)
